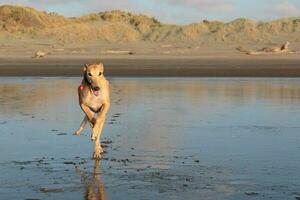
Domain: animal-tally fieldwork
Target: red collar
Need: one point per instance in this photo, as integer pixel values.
(81, 87)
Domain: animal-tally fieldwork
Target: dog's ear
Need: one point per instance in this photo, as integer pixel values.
(101, 66)
(85, 67)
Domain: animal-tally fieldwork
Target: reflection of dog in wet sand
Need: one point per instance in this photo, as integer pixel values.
(94, 101)
(94, 187)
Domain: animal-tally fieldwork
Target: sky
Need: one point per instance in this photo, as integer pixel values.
(173, 11)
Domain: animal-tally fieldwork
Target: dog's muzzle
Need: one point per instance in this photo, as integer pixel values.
(96, 90)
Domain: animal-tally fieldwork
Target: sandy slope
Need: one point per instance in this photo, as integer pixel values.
(138, 45)
(118, 26)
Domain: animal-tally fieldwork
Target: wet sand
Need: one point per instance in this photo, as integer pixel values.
(173, 66)
(174, 138)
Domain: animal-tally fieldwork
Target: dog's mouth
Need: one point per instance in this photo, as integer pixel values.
(95, 90)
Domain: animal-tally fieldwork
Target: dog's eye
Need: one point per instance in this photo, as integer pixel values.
(100, 73)
(89, 74)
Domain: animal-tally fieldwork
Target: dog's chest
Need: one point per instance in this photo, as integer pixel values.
(94, 102)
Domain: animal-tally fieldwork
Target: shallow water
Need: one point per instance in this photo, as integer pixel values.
(225, 138)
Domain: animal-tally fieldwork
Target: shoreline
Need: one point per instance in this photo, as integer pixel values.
(157, 66)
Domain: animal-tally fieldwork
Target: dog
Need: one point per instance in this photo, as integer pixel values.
(94, 100)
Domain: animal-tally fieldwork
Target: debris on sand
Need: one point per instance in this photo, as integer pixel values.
(268, 50)
(246, 51)
(22, 162)
(116, 115)
(61, 134)
(129, 52)
(251, 193)
(166, 46)
(106, 141)
(189, 179)
(39, 54)
(69, 163)
(46, 190)
(59, 49)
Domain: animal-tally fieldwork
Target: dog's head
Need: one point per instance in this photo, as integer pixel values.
(93, 75)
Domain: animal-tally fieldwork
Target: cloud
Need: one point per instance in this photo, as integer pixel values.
(208, 5)
(51, 2)
(284, 8)
(113, 5)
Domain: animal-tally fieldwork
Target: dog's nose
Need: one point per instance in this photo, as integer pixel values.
(97, 88)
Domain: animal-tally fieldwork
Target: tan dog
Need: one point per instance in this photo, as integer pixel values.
(94, 101)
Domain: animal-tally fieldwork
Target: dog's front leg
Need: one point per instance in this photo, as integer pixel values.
(100, 121)
(97, 130)
(89, 113)
(97, 149)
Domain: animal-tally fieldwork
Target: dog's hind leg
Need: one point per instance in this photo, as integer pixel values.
(82, 125)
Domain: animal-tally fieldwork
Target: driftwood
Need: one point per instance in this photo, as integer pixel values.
(268, 50)
(39, 54)
(119, 52)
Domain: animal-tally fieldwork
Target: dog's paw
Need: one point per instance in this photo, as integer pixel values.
(97, 155)
(93, 137)
(76, 133)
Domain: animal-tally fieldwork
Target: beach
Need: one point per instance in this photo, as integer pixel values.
(204, 100)
(147, 59)
(185, 124)
(164, 138)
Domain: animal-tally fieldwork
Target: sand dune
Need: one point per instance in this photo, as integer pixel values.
(118, 26)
